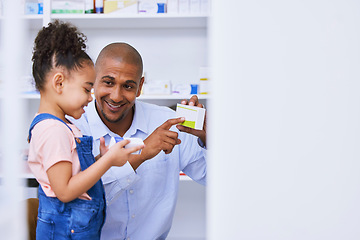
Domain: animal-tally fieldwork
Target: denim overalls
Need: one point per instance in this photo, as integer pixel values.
(78, 219)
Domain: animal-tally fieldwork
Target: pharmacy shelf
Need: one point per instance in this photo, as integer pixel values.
(34, 21)
(132, 21)
(173, 96)
(128, 21)
(33, 95)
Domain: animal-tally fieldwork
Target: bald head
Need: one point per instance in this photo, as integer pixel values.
(121, 52)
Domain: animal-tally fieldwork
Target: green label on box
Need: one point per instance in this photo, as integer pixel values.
(190, 124)
(56, 11)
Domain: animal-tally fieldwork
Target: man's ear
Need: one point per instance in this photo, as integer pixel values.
(140, 87)
(58, 82)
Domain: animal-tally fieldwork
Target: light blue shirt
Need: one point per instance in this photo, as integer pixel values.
(141, 204)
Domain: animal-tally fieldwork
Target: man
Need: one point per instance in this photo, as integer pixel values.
(141, 195)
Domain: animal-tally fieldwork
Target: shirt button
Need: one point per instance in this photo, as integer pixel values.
(131, 191)
(128, 180)
(128, 238)
(133, 216)
(72, 231)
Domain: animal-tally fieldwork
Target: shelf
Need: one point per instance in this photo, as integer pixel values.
(134, 20)
(131, 21)
(33, 21)
(142, 97)
(33, 17)
(173, 96)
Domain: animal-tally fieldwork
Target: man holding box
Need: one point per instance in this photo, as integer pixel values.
(141, 195)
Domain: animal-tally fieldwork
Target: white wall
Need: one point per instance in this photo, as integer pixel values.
(285, 120)
(12, 209)
(168, 54)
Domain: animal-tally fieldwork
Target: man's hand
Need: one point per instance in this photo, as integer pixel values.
(194, 101)
(162, 139)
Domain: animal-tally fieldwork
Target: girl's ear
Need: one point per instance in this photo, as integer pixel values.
(58, 82)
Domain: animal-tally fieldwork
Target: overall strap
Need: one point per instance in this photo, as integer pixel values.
(41, 117)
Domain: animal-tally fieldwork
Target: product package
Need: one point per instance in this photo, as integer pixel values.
(121, 6)
(70, 6)
(194, 116)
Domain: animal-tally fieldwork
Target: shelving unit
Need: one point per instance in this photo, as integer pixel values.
(173, 48)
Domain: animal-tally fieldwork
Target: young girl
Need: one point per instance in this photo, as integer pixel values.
(71, 194)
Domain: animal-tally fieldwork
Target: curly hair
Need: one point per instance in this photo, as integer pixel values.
(58, 44)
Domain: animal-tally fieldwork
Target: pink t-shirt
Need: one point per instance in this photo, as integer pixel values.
(53, 142)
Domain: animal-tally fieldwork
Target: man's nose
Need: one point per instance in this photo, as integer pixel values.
(116, 94)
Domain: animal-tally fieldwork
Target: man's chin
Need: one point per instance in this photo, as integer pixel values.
(112, 119)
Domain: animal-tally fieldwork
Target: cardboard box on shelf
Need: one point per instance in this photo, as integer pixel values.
(121, 6)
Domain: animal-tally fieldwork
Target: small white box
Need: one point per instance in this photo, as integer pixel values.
(157, 88)
(181, 88)
(120, 6)
(194, 116)
(172, 6)
(133, 143)
(147, 6)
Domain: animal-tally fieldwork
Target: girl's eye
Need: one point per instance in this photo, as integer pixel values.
(87, 90)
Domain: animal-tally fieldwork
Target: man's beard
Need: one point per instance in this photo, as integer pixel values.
(122, 116)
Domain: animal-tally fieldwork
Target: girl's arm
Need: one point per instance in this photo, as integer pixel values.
(67, 187)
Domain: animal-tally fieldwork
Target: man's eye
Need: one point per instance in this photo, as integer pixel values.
(108, 83)
(128, 86)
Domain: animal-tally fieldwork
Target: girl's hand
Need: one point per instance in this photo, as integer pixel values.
(119, 155)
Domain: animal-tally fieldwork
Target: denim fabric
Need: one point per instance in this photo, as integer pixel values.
(78, 219)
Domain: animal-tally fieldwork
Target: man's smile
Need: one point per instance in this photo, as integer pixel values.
(114, 106)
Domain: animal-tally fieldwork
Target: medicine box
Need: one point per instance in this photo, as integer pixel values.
(157, 88)
(194, 116)
(69, 6)
(121, 6)
(134, 142)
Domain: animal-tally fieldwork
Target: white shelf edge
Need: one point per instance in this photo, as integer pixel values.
(133, 21)
(28, 16)
(169, 97)
(142, 97)
(33, 16)
(125, 16)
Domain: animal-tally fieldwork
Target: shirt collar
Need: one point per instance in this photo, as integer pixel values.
(139, 121)
(99, 129)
